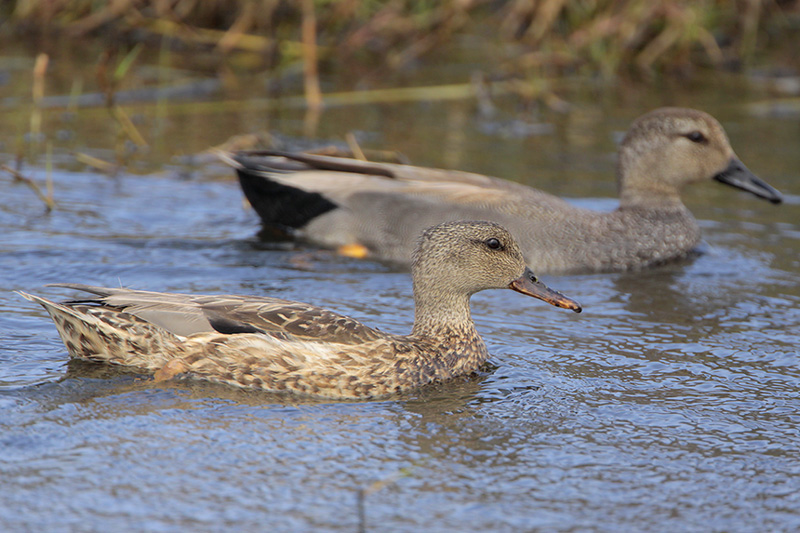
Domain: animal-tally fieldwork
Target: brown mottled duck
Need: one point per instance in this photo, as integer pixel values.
(285, 346)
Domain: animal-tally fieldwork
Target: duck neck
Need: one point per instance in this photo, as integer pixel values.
(650, 198)
(644, 181)
(437, 313)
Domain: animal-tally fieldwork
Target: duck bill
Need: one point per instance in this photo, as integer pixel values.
(739, 176)
(529, 285)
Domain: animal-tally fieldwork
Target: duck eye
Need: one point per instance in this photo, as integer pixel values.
(493, 243)
(696, 137)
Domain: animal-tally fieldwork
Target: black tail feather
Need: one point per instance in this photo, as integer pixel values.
(281, 206)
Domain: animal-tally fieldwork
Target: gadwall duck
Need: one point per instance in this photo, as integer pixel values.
(375, 209)
(284, 346)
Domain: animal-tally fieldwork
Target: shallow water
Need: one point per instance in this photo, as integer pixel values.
(670, 404)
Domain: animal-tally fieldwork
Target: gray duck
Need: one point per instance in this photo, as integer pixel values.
(376, 210)
(284, 346)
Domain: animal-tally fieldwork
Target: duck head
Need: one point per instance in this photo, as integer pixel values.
(462, 258)
(669, 148)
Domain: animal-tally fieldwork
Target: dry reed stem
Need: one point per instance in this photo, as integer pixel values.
(109, 86)
(245, 141)
(39, 71)
(310, 71)
(546, 13)
(710, 45)
(99, 164)
(355, 148)
(128, 126)
(658, 46)
(49, 203)
(239, 27)
(74, 94)
(49, 173)
(204, 36)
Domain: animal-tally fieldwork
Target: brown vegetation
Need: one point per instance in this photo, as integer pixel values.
(554, 36)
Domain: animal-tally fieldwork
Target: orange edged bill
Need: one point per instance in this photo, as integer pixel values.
(529, 285)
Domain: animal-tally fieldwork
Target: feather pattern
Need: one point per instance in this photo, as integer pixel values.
(284, 346)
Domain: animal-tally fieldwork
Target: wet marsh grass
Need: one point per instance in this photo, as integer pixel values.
(613, 37)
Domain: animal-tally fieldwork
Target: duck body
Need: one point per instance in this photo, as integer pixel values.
(315, 352)
(283, 346)
(561, 238)
(335, 202)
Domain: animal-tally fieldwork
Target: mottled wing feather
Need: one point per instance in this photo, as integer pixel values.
(185, 315)
(302, 321)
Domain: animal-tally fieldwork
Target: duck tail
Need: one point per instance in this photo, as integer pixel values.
(280, 205)
(94, 333)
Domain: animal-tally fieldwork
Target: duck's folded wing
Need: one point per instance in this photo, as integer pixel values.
(271, 163)
(275, 316)
(338, 179)
(185, 315)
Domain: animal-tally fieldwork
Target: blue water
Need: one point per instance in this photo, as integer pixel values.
(670, 404)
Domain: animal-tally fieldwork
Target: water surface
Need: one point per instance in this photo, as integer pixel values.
(670, 404)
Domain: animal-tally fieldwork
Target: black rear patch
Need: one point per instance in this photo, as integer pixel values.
(280, 205)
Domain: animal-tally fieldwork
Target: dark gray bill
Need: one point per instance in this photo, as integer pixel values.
(737, 175)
